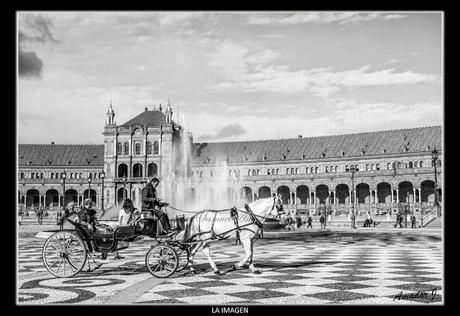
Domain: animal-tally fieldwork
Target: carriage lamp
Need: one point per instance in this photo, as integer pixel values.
(434, 156)
(352, 197)
(102, 196)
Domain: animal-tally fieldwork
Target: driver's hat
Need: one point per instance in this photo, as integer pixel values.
(155, 180)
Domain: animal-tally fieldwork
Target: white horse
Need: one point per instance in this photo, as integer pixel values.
(209, 225)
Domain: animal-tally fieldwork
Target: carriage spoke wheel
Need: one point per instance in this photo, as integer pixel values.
(161, 261)
(183, 255)
(64, 254)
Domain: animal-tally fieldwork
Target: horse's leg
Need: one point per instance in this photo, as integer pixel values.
(246, 242)
(192, 254)
(207, 253)
(251, 265)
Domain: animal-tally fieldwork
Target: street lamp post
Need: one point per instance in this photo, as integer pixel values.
(124, 187)
(352, 197)
(102, 196)
(434, 156)
(89, 186)
(63, 176)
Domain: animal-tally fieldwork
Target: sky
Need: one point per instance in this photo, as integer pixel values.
(229, 76)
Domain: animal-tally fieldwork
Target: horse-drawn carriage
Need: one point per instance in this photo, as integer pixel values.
(66, 252)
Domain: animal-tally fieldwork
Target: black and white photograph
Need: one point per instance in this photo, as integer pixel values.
(229, 159)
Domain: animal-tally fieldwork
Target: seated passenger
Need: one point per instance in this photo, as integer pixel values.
(87, 221)
(128, 214)
(87, 215)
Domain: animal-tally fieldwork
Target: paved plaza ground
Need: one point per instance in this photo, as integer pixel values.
(369, 266)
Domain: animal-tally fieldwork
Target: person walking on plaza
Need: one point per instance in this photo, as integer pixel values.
(413, 220)
(397, 220)
(309, 220)
(322, 221)
(39, 216)
(20, 214)
(298, 220)
(401, 220)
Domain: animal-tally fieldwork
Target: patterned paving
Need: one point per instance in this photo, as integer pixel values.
(390, 270)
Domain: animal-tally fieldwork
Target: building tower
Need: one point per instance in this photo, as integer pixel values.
(146, 146)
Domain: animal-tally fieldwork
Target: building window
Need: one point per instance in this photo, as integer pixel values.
(411, 165)
(377, 166)
(149, 148)
(119, 148)
(137, 148)
(126, 148)
(277, 171)
(52, 175)
(287, 170)
(316, 170)
(156, 148)
(327, 170)
(416, 164)
(268, 172)
(421, 164)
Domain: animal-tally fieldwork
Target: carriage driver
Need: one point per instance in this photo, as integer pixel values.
(151, 203)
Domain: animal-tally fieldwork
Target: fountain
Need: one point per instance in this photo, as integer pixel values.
(193, 194)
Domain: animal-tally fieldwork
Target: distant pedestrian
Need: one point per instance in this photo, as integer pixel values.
(413, 221)
(298, 221)
(58, 216)
(309, 221)
(322, 220)
(20, 215)
(397, 220)
(39, 216)
(401, 219)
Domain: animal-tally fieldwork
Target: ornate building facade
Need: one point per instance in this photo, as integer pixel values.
(391, 168)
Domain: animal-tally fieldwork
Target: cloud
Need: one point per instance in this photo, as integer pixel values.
(225, 132)
(30, 66)
(346, 18)
(349, 117)
(182, 19)
(233, 60)
(320, 82)
(34, 28)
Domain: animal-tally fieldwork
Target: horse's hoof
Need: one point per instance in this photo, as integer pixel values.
(256, 272)
(217, 272)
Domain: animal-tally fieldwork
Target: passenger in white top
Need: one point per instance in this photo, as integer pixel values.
(126, 214)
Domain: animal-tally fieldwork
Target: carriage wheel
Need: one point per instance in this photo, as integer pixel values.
(161, 261)
(64, 254)
(183, 255)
